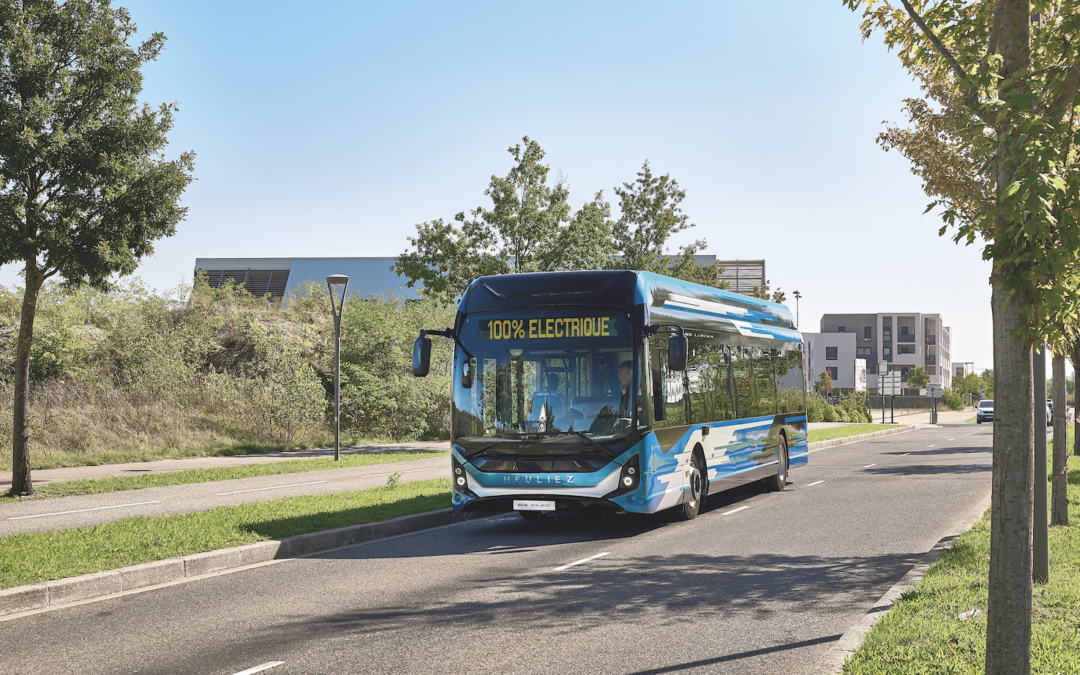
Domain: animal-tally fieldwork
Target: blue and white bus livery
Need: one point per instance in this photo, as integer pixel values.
(618, 391)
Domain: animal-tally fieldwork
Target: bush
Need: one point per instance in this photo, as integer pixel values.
(854, 404)
(830, 414)
(953, 399)
(815, 407)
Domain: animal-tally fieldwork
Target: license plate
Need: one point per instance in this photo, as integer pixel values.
(533, 505)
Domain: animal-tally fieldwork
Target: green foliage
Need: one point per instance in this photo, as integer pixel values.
(816, 407)
(854, 406)
(824, 383)
(954, 399)
(529, 228)
(919, 378)
(131, 374)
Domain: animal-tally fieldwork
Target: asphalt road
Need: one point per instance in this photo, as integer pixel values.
(758, 583)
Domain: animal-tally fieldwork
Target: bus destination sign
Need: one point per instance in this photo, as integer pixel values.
(539, 329)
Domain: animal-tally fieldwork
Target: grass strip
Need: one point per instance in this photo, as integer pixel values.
(832, 433)
(924, 634)
(41, 556)
(120, 483)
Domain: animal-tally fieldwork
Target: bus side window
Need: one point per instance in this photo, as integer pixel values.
(671, 409)
(657, 384)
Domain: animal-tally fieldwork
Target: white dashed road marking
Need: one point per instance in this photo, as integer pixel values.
(817, 482)
(578, 562)
(930, 446)
(258, 669)
(869, 465)
(273, 487)
(728, 513)
(99, 508)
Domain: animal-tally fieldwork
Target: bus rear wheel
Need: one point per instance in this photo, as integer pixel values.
(691, 506)
(778, 482)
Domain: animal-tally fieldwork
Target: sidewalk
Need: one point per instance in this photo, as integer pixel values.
(46, 476)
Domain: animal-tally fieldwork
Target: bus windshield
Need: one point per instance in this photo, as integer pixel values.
(546, 374)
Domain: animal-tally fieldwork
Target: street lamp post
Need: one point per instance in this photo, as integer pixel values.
(336, 305)
(797, 296)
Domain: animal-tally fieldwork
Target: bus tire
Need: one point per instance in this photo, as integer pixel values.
(691, 505)
(530, 515)
(778, 482)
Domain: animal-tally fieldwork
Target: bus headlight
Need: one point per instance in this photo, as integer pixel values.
(630, 477)
(461, 478)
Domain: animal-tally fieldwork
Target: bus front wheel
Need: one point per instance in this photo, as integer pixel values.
(778, 482)
(690, 507)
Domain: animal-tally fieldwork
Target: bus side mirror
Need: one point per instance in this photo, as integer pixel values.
(677, 346)
(421, 356)
(467, 373)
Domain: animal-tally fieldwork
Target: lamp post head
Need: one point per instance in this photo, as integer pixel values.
(337, 279)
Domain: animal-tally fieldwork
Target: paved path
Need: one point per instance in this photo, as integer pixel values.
(759, 583)
(60, 513)
(46, 476)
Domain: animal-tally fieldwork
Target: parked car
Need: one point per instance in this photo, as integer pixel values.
(1049, 414)
(984, 412)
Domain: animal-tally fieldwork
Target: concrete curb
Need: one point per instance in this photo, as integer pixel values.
(832, 663)
(88, 586)
(821, 445)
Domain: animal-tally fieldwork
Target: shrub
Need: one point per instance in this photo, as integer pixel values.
(830, 414)
(815, 408)
(953, 399)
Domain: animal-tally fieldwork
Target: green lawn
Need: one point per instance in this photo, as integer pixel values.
(41, 556)
(82, 487)
(923, 632)
(845, 431)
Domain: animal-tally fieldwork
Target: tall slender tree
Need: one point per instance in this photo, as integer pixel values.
(85, 188)
(1010, 79)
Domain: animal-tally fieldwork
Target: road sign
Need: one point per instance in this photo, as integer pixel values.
(889, 383)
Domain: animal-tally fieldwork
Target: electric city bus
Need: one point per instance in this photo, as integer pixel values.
(617, 391)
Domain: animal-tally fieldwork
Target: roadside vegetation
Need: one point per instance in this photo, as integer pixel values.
(833, 433)
(121, 483)
(924, 632)
(136, 375)
(42, 556)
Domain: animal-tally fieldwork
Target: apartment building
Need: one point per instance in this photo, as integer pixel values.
(832, 352)
(903, 340)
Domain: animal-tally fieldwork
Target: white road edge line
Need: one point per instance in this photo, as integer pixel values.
(728, 513)
(273, 487)
(258, 669)
(930, 446)
(98, 508)
(869, 465)
(576, 562)
(436, 468)
(905, 454)
(817, 482)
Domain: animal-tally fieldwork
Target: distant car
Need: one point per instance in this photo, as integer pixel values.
(1049, 414)
(984, 412)
(1050, 404)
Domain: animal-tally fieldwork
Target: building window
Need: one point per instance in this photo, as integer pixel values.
(866, 334)
(830, 353)
(833, 374)
(886, 334)
(888, 351)
(862, 352)
(906, 349)
(841, 329)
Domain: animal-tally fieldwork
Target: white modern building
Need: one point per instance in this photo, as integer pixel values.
(903, 340)
(963, 369)
(835, 353)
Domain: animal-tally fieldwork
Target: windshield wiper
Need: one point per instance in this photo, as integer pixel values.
(592, 442)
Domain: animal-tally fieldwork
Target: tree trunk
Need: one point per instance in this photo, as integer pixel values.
(1059, 477)
(1076, 398)
(1008, 630)
(21, 484)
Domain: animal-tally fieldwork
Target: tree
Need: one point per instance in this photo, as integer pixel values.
(919, 378)
(824, 383)
(650, 213)
(84, 185)
(1010, 82)
(529, 228)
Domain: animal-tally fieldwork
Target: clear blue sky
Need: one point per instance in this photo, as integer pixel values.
(332, 128)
